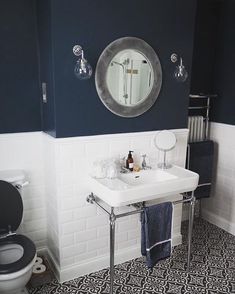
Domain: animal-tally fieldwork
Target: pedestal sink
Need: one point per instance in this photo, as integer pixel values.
(144, 185)
(139, 187)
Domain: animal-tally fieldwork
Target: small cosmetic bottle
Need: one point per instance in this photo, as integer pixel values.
(130, 161)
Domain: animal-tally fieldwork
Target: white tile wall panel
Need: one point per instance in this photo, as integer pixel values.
(38, 236)
(70, 203)
(75, 226)
(85, 212)
(52, 203)
(25, 151)
(126, 244)
(70, 251)
(85, 257)
(220, 207)
(33, 225)
(133, 234)
(132, 224)
(86, 235)
(103, 231)
(121, 236)
(96, 221)
(77, 233)
(67, 240)
(67, 262)
(104, 251)
(97, 244)
(73, 159)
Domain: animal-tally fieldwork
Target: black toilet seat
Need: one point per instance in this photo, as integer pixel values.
(28, 254)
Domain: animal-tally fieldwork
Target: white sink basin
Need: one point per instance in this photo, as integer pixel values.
(146, 177)
(144, 185)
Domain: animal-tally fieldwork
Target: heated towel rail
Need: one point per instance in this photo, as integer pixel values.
(199, 124)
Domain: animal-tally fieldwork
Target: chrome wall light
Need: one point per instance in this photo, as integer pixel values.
(180, 72)
(83, 69)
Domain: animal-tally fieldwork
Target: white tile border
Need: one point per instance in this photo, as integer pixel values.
(117, 135)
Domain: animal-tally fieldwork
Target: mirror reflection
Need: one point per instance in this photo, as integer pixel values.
(129, 77)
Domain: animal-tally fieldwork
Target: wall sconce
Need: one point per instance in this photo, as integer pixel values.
(83, 69)
(180, 72)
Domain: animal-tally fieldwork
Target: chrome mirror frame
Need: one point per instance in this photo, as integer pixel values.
(101, 72)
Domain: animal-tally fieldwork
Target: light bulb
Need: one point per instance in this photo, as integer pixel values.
(180, 72)
(82, 69)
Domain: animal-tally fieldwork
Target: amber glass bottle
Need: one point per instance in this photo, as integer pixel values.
(130, 161)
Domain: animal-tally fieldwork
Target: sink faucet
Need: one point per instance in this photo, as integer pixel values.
(144, 165)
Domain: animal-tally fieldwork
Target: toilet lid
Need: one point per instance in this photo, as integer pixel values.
(11, 207)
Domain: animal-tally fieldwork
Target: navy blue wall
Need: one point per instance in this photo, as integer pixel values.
(214, 56)
(73, 106)
(205, 45)
(19, 86)
(168, 26)
(46, 64)
(224, 81)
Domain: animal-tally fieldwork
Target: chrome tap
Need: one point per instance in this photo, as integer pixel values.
(144, 165)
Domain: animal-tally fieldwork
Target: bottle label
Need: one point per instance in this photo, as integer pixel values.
(131, 164)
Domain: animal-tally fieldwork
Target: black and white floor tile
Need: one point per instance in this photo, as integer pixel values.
(212, 270)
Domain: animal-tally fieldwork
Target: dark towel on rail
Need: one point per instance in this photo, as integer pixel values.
(156, 226)
(201, 162)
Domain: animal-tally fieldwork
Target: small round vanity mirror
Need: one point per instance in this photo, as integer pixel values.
(165, 141)
(128, 77)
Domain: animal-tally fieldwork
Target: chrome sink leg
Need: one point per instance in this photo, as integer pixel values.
(112, 220)
(190, 228)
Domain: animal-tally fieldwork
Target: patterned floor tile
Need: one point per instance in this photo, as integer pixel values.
(212, 270)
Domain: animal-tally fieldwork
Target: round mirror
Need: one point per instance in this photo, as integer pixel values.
(128, 77)
(165, 140)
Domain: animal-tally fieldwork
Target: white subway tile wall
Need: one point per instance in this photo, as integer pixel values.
(56, 212)
(220, 207)
(24, 151)
(83, 230)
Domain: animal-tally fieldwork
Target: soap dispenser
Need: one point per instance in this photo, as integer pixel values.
(130, 161)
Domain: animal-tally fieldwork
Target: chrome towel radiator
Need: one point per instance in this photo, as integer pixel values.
(199, 124)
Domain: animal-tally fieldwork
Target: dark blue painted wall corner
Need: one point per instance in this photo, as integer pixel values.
(20, 109)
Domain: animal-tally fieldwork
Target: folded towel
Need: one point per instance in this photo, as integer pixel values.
(201, 162)
(156, 227)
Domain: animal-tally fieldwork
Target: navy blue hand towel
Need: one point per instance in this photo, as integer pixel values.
(156, 226)
(201, 161)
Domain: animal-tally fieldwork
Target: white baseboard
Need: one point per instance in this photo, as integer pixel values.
(219, 221)
(54, 265)
(177, 240)
(45, 251)
(96, 264)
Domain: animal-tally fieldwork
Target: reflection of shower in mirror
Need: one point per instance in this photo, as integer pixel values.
(124, 80)
(129, 77)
